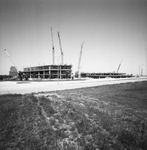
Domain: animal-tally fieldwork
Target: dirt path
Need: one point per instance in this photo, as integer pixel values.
(11, 87)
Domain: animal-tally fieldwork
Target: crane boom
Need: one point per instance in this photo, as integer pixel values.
(119, 66)
(60, 48)
(80, 59)
(53, 48)
(5, 50)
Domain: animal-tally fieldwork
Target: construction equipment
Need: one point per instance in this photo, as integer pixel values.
(60, 49)
(119, 66)
(80, 60)
(53, 48)
(20, 76)
(5, 50)
(9, 57)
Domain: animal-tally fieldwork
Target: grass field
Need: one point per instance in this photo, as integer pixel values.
(110, 117)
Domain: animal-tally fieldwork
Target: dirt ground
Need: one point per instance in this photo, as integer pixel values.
(23, 87)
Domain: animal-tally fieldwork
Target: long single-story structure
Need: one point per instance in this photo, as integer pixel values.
(105, 75)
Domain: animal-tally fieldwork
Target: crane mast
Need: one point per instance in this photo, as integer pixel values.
(119, 67)
(60, 48)
(53, 48)
(80, 60)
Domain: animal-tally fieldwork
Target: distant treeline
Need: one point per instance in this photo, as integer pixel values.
(5, 77)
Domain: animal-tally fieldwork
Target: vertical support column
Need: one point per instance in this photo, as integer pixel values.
(49, 74)
(38, 74)
(60, 71)
(141, 71)
(30, 73)
(43, 74)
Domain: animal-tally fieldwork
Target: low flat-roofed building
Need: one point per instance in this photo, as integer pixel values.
(105, 75)
(49, 71)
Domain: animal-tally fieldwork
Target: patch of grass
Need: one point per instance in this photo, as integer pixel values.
(108, 117)
(8, 116)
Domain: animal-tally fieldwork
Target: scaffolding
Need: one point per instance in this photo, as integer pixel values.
(49, 71)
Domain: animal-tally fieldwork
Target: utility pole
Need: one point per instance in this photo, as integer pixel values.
(61, 49)
(140, 70)
(80, 60)
(53, 48)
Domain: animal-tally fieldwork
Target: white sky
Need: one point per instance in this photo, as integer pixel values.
(111, 30)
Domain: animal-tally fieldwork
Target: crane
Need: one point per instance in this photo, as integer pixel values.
(53, 48)
(80, 60)
(14, 66)
(5, 50)
(60, 48)
(119, 66)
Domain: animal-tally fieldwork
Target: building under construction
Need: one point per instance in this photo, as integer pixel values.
(52, 71)
(49, 71)
(64, 71)
(105, 75)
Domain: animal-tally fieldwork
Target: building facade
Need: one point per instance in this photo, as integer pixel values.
(49, 71)
(105, 75)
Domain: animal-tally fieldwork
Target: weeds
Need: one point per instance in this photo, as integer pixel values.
(109, 117)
